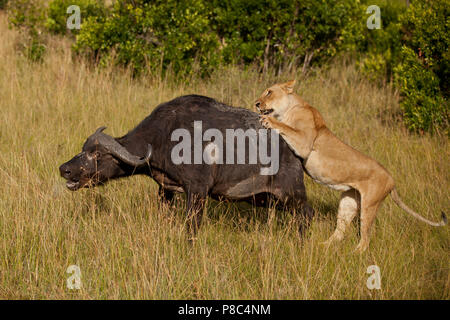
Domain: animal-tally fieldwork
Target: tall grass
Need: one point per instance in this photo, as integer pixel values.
(128, 245)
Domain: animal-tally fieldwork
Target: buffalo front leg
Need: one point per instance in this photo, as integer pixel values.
(195, 206)
(166, 195)
(303, 213)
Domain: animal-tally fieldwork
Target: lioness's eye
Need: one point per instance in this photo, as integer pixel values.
(269, 93)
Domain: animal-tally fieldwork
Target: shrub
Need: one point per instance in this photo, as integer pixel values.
(3, 4)
(425, 28)
(282, 34)
(196, 36)
(152, 33)
(423, 71)
(28, 17)
(412, 47)
(26, 14)
(381, 47)
(423, 105)
(199, 34)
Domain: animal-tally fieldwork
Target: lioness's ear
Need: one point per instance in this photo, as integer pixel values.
(288, 86)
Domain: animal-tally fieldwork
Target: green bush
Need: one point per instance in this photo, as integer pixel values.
(198, 35)
(28, 17)
(3, 4)
(425, 28)
(412, 47)
(26, 14)
(423, 70)
(423, 105)
(284, 34)
(154, 34)
(381, 47)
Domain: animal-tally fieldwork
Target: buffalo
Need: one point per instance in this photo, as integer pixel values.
(154, 148)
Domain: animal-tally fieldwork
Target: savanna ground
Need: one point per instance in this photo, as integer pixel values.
(128, 246)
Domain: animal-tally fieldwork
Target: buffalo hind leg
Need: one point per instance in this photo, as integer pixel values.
(305, 217)
(166, 195)
(195, 206)
(302, 211)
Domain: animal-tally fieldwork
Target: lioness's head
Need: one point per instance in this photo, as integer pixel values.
(277, 99)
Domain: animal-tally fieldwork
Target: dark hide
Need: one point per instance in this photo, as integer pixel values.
(220, 181)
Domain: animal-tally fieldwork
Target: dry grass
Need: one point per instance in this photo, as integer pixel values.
(128, 246)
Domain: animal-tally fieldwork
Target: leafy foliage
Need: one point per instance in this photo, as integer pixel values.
(282, 34)
(423, 105)
(3, 4)
(56, 21)
(28, 15)
(423, 70)
(152, 34)
(200, 35)
(412, 47)
(197, 36)
(381, 47)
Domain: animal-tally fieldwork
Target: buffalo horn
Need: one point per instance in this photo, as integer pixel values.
(116, 149)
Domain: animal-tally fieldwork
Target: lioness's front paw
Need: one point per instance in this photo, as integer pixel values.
(266, 121)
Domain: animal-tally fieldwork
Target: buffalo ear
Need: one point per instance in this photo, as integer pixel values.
(288, 87)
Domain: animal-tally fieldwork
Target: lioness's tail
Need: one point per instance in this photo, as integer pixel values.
(402, 205)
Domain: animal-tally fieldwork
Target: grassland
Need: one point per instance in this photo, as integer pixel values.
(128, 246)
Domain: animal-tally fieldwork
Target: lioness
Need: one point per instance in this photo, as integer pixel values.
(330, 161)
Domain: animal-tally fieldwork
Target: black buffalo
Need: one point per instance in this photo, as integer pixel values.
(147, 149)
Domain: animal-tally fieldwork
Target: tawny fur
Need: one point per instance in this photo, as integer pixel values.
(329, 161)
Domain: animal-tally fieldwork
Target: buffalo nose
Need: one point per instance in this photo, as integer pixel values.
(64, 171)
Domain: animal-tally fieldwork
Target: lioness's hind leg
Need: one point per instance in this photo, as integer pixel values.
(372, 195)
(348, 208)
(371, 198)
(368, 214)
